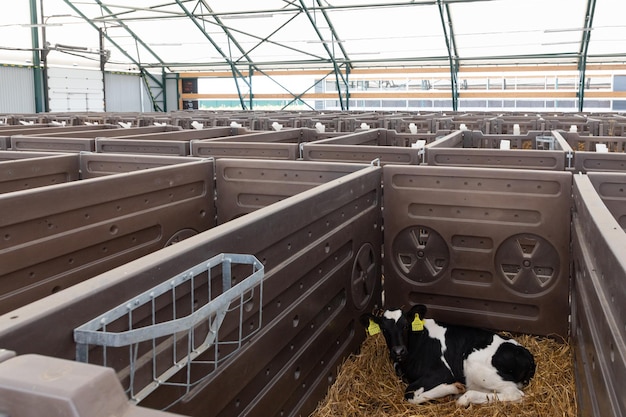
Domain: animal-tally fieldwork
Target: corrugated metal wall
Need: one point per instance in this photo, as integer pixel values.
(171, 92)
(126, 93)
(72, 89)
(17, 90)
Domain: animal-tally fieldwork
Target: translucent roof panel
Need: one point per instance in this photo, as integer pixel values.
(236, 35)
(608, 35)
(530, 28)
(389, 33)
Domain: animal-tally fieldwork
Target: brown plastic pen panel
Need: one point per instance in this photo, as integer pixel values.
(173, 142)
(94, 165)
(256, 150)
(247, 185)
(360, 154)
(275, 145)
(610, 187)
(473, 149)
(281, 136)
(369, 137)
(64, 234)
(141, 146)
(15, 156)
(94, 133)
(320, 250)
(373, 121)
(27, 173)
(586, 161)
(34, 385)
(598, 293)
(363, 147)
(7, 131)
(597, 153)
(77, 141)
(25, 170)
(566, 123)
(612, 144)
(52, 144)
(407, 140)
(184, 135)
(505, 124)
(423, 124)
(484, 247)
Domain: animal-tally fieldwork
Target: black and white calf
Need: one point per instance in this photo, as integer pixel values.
(438, 359)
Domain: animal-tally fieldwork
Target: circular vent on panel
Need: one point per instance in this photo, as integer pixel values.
(364, 277)
(527, 263)
(421, 254)
(180, 235)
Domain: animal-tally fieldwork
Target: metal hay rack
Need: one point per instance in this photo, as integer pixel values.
(177, 333)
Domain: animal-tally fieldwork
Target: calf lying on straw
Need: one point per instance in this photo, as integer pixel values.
(438, 359)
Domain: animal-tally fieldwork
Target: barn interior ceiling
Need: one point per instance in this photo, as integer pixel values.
(242, 35)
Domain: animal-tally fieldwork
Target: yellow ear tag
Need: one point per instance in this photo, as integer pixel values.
(417, 325)
(373, 328)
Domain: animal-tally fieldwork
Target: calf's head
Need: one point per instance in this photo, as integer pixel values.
(514, 363)
(395, 325)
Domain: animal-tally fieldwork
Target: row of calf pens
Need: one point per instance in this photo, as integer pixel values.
(596, 124)
(220, 270)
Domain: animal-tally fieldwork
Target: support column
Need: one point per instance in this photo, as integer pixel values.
(38, 76)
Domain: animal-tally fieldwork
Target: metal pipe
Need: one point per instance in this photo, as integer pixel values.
(37, 72)
(102, 63)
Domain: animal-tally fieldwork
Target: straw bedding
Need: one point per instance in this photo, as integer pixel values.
(367, 385)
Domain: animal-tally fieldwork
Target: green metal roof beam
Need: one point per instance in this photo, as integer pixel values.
(122, 50)
(235, 71)
(244, 54)
(232, 39)
(203, 16)
(227, 32)
(584, 48)
(267, 39)
(433, 61)
(133, 9)
(135, 37)
(320, 7)
(331, 53)
(299, 96)
(453, 59)
(333, 31)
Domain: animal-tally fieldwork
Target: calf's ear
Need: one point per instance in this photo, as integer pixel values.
(417, 309)
(364, 319)
(371, 324)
